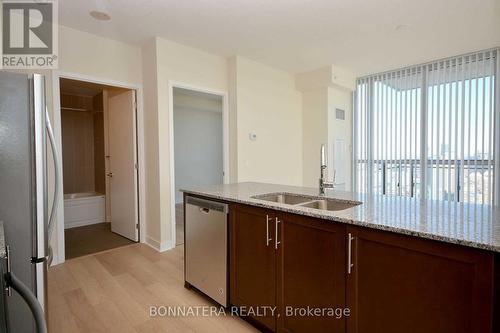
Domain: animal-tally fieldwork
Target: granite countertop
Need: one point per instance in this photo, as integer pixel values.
(476, 226)
(2, 241)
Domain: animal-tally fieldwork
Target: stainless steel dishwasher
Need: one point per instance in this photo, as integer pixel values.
(206, 247)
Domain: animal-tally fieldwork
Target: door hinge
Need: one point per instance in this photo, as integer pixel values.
(135, 166)
(137, 226)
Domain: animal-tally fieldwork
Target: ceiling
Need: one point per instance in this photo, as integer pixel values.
(365, 36)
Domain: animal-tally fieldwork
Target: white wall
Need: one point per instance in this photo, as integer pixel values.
(323, 91)
(267, 105)
(168, 62)
(151, 143)
(263, 101)
(315, 132)
(197, 141)
(339, 98)
(233, 119)
(87, 54)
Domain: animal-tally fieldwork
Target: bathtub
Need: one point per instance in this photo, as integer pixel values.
(84, 209)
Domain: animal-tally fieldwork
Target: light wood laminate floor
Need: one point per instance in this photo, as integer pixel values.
(112, 292)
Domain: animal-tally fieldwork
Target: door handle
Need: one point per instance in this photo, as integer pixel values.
(350, 265)
(268, 239)
(276, 242)
(57, 183)
(30, 299)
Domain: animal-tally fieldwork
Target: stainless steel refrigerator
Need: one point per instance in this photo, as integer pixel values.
(23, 189)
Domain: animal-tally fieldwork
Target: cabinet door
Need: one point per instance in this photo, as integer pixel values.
(405, 284)
(253, 262)
(311, 274)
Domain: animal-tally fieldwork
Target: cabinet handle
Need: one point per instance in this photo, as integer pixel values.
(268, 239)
(350, 265)
(276, 234)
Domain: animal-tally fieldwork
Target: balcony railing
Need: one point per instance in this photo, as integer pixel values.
(468, 180)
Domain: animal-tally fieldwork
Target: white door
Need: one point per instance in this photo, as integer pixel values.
(122, 164)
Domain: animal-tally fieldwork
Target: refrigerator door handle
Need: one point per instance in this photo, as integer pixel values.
(9, 268)
(55, 156)
(39, 167)
(30, 299)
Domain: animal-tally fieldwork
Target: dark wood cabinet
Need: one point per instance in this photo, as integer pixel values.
(407, 284)
(290, 262)
(253, 261)
(390, 283)
(311, 275)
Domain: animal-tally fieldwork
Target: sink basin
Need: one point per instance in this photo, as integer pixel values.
(330, 204)
(286, 198)
(308, 201)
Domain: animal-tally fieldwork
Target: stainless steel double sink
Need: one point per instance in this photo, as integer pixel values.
(307, 201)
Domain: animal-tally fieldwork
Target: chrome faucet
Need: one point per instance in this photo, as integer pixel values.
(323, 183)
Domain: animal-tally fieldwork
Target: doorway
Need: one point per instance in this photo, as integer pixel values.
(99, 155)
(198, 126)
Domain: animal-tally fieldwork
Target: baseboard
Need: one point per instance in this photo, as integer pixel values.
(160, 247)
(69, 225)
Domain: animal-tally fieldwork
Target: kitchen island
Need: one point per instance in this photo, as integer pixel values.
(392, 264)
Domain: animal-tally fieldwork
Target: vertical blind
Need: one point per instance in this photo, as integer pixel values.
(429, 130)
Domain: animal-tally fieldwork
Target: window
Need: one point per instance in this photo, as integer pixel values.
(429, 130)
